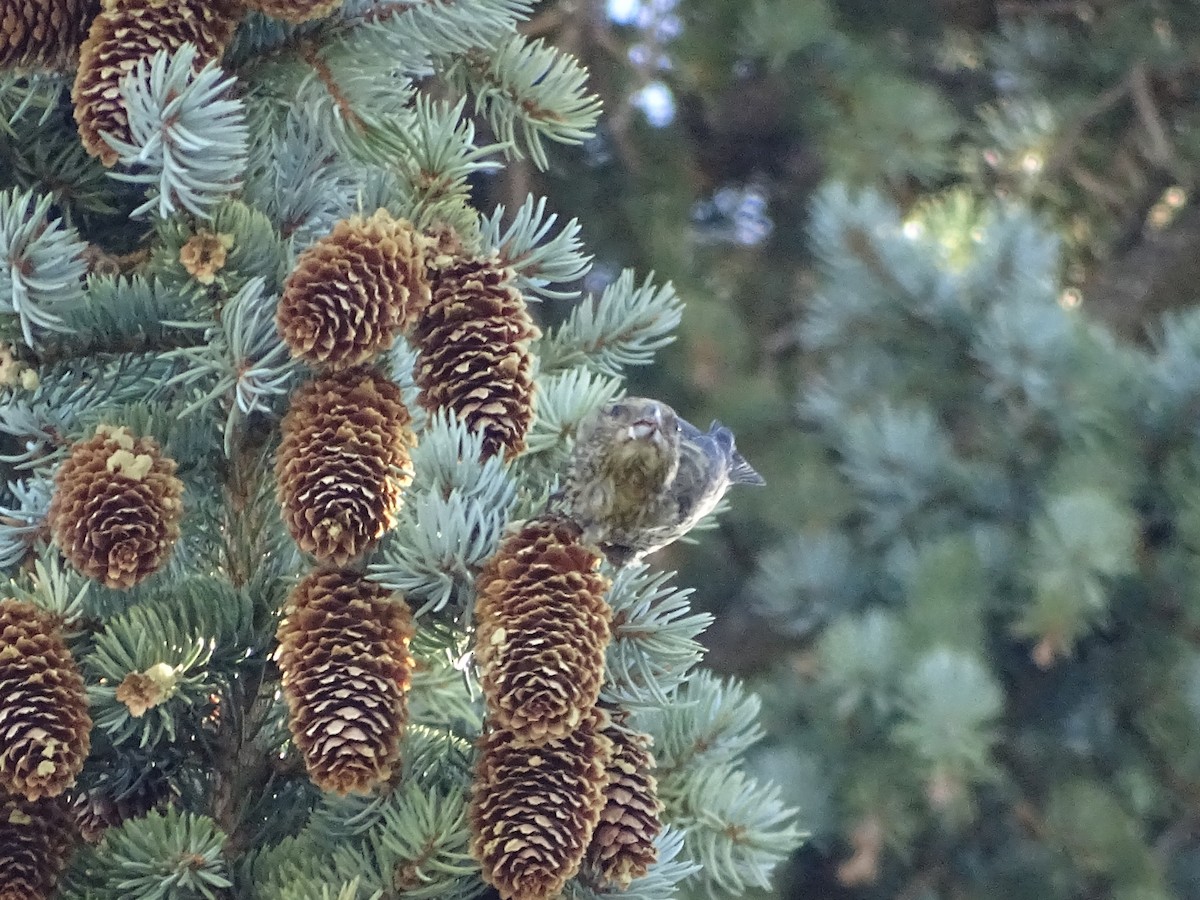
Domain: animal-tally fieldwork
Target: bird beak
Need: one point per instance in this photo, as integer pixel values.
(641, 429)
(646, 426)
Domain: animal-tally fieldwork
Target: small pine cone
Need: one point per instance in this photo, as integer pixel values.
(45, 729)
(205, 254)
(343, 655)
(43, 35)
(35, 842)
(473, 352)
(622, 847)
(343, 463)
(534, 809)
(128, 32)
(443, 247)
(294, 11)
(353, 291)
(106, 804)
(543, 628)
(94, 813)
(116, 508)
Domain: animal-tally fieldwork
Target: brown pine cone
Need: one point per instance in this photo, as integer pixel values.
(45, 729)
(534, 809)
(622, 847)
(94, 814)
(473, 352)
(343, 463)
(343, 655)
(116, 507)
(542, 631)
(35, 842)
(353, 291)
(294, 11)
(102, 806)
(128, 32)
(43, 35)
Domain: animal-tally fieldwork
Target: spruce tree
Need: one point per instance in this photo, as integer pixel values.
(283, 617)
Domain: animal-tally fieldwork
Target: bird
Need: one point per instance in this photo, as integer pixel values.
(640, 476)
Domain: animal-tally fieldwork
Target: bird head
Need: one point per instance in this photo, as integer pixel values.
(641, 437)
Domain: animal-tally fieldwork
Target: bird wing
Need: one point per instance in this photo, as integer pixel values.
(740, 471)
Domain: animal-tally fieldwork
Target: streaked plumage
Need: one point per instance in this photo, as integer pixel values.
(641, 477)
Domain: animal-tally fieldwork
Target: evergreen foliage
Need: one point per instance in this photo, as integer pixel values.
(196, 155)
(1017, 558)
(144, 297)
(968, 588)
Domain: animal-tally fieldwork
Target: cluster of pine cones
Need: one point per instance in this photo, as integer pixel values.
(345, 459)
(105, 40)
(342, 466)
(560, 783)
(115, 517)
(44, 739)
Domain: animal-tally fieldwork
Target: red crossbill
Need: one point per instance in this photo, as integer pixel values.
(641, 477)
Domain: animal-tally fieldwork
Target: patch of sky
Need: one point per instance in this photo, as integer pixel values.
(657, 104)
(736, 215)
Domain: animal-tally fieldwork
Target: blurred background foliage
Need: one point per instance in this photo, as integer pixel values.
(940, 259)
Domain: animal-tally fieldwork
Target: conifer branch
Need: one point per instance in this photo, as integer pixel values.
(186, 138)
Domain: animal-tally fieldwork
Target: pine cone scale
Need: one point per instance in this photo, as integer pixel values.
(295, 11)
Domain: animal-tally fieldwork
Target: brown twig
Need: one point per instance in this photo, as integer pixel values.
(1023, 9)
(310, 54)
(1096, 186)
(1162, 150)
(544, 23)
(1061, 155)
